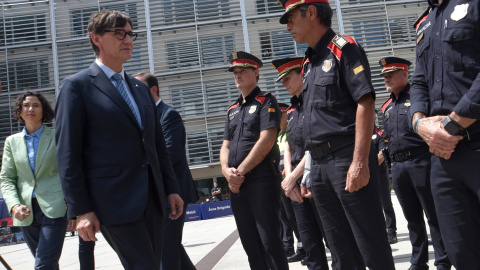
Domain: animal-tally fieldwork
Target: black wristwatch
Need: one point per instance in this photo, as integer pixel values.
(452, 127)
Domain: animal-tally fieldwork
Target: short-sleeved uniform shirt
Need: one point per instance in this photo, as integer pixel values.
(447, 72)
(336, 75)
(295, 129)
(396, 127)
(245, 121)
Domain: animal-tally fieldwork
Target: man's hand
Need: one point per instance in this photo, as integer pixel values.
(440, 142)
(235, 180)
(87, 226)
(176, 204)
(288, 184)
(358, 176)
(295, 195)
(20, 212)
(380, 157)
(306, 192)
(72, 223)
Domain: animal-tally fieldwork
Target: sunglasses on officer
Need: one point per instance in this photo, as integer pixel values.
(121, 34)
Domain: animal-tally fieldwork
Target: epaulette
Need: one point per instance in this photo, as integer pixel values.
(337, 44)
(262, 96)
(234, 105)
(422, 18)
(290, 109)
(384, 106)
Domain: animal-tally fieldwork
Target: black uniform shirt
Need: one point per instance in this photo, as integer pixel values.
(245, 121)
(396, 126)
(378, 141)
(335, 78)
(447, 76)
(295, 130)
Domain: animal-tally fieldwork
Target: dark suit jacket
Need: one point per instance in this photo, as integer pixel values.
(175, 137)
(103, 156)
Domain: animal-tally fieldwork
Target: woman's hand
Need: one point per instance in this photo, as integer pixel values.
(20, 212)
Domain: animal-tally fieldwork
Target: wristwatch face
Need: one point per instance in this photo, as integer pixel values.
(450, 127)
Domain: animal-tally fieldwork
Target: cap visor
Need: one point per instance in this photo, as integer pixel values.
(280, 77)
(284, 18)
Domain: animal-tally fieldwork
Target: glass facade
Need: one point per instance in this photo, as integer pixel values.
(186, 44)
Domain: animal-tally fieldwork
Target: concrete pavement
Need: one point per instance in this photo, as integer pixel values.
(211, 244)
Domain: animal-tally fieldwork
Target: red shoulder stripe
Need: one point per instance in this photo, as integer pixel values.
(351, 40)
(291, 109)
(233, 106)
(335, 50)
(379, 131)
(260, 99)
(305, 61)
(386, 104)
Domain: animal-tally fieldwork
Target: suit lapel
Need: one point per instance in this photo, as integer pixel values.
(24, 161)
(43, 146)
(103, 84)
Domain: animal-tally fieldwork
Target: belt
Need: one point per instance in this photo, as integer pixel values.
(402, 156)
(326, 148)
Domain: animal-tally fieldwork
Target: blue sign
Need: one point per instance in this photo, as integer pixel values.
(216, 209)
(193, 212)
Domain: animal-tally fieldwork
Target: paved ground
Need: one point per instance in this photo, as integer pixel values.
(211, 244)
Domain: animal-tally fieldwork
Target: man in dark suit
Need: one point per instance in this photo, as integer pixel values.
(112, 158)
(175, 256)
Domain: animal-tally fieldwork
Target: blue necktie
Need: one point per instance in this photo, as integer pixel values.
(123, 92)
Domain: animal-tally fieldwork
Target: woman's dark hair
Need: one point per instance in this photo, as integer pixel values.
(48, 113)
(324, 12)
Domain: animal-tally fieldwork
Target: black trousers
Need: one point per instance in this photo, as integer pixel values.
(289, 223)
(139, 244)
(386, 197)
(255, 210)
(311, 234)
(174, 256)
(456, 191)
(354, 223)
(411, 182)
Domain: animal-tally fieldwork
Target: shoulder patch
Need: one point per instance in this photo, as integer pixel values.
(337, 44)
(422, 18)
(233, 106)
(262, 96)
(384, 106)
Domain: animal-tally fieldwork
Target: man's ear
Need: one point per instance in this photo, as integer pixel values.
(311, 12)
(95, 39)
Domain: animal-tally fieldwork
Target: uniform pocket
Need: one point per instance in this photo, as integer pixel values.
(326, 93)
(460, 47)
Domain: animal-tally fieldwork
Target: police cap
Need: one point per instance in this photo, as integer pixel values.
(244, 59)
(390, 64)
(285, 65)
(289, 5)
(283, 107)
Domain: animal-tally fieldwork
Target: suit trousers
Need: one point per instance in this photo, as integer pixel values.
(311, 234)
(86, 254)
(174, 256)
(139, 244)
(411, 182)
(44, 238)
(456, 191)
(386, 196)
(354, 223)
(255, 209)
(289, 223)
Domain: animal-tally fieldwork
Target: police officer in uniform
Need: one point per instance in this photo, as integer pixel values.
(338, 123)
(445, 107)
(309, 227)
(385, 193)
(287, 215)
(410, 166)
(249, 158)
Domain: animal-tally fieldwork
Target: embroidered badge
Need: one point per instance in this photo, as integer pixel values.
(327, 65)
(234, 56)
(407, 103)
(253, 108)
(459, 12)
(384, 62)
(271, 109)
(231, 117)
(358, 69)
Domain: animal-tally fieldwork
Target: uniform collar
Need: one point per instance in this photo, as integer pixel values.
(322, 44)
(404, 91)
(252, 94)
(295, 100)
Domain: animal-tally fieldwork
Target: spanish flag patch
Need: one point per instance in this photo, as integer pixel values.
(358, 69)
(271, 109)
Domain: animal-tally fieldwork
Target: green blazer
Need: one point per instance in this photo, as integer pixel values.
(18, 181)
